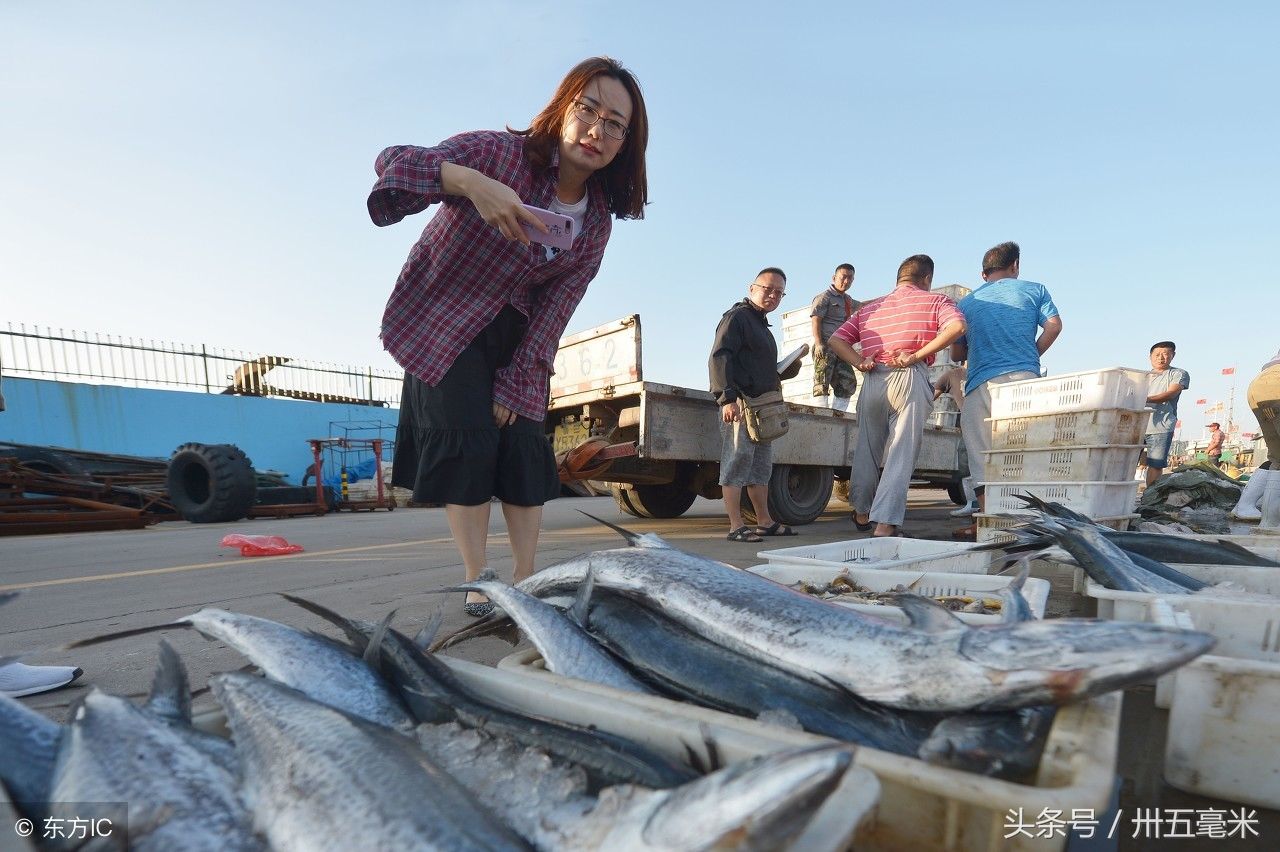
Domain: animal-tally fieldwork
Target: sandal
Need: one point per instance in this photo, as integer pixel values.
(744, 534)
(867, 527)
(776, 528)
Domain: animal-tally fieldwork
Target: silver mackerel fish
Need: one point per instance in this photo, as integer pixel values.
(316, 778)
(936, 662)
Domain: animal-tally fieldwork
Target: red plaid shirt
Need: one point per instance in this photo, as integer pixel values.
(462, 272)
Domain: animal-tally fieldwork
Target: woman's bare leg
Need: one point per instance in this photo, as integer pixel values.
(523, 526)
(470, 528)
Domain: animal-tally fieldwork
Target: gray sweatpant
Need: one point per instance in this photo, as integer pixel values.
(975, 424)
(892, 411)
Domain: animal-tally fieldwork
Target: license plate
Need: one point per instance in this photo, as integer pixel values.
(569, 435)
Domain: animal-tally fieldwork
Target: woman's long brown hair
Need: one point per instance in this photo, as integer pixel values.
(626, 184)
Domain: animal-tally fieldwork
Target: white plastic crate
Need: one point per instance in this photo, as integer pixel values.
(1095, 499)
(1114, 387)
(892, 552)
(991, 526)
(832, 829)
(928, 583)
(1107, 427)
(1135, 606)
(923, 806)
(1064, 464)
(1161, 612)
(1224, 733)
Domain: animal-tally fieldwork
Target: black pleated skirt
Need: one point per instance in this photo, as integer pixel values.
(448, 449)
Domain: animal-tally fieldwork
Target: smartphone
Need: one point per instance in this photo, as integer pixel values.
(559, 228)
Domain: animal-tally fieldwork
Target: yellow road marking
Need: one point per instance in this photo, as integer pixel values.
(318, 554)
(92, 578)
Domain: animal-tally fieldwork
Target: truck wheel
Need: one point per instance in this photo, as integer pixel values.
(622, 496)
(669, 500)
(956, 492)
(210, 483)
(798, 494)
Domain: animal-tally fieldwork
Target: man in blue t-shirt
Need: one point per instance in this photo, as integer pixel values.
(1002, 319)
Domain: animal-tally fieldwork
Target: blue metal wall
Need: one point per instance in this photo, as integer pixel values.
(141, 422)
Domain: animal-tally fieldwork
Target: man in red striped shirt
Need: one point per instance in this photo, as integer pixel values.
(899, 334)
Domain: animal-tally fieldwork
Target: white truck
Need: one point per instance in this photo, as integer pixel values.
(599, 390)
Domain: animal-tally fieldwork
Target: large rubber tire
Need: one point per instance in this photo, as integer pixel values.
(669, 500)
(622, 496)
(798, 494)
(211, 483)
(956, 492)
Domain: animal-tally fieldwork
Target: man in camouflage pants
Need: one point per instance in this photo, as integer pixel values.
(830, 309)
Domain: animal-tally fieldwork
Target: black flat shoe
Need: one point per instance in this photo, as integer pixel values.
(477, 609)
(867, 527)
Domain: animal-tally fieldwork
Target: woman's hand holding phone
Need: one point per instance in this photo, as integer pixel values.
(497, 203)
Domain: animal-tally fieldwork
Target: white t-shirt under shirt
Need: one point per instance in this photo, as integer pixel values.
(576, 211)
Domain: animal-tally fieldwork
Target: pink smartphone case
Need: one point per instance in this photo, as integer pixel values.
(559, 227)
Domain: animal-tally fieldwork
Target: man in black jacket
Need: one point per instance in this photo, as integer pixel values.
(744, 362)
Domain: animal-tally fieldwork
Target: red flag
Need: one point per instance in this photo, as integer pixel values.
(1228, 371)
(1201, 401)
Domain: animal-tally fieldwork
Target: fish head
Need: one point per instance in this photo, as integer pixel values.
(1067, 659)
(761, 803)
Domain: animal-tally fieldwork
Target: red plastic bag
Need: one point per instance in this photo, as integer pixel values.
(260, 545)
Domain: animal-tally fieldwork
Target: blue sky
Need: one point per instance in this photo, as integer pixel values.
(197, 172)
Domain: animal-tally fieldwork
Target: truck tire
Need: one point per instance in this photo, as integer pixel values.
(211, 483)
(798, 494)
(669, 500)
(622, 496)
(956, 492)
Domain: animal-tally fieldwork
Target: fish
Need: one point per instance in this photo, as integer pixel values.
(318, 778)
(1016, 608)
(1004, 745)
(177, 798)
(566, 647)
(1107, 564)
(691, 668)
(435, 695)
(316, 665)
(170, 702)
(1175, 549)
(930, 664)
(30, 741)
(1053, 509)
(762, 803)
(29, 744)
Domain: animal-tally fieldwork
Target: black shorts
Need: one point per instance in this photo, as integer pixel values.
(448, 449)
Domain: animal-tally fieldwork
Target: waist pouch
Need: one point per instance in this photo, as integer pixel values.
(765, 416)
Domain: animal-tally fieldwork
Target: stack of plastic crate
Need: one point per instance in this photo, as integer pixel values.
(1074, 439)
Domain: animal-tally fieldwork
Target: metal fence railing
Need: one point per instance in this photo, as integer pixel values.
(114, 360)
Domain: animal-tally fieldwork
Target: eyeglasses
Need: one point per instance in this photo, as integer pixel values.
(771, 291)
(589, 115)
